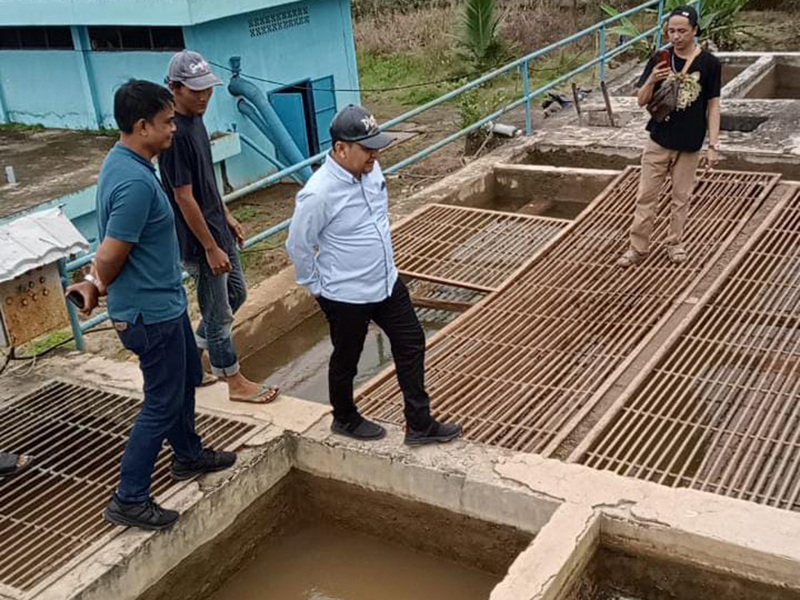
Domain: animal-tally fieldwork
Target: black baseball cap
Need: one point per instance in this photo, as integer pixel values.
(355, 124)
(688, 12)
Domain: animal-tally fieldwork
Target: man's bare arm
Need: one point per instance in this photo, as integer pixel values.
(645, 93)
(108, 262)
(714, 110)
(217, 258)
(109, 259)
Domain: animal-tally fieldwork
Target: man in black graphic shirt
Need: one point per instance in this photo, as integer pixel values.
(675, 144)
(207, 232)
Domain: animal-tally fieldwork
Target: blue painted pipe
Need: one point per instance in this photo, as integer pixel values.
(269, 123)
(267, 157)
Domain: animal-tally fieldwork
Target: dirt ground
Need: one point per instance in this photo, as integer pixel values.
(771, 30)
(73, 160)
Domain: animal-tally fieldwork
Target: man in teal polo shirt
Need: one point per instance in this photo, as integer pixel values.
(138, 266)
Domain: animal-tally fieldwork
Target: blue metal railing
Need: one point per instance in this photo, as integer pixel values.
(521, 65)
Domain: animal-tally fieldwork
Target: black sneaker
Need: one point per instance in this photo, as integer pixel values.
(144, 515)
(436, 432)
(364, 430)
(210, 461)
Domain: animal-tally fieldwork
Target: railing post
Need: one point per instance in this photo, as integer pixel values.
(75, 324)
(603, 51)
(660, 27)
(526, 90)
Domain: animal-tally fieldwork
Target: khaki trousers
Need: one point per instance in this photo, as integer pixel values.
(657, 163)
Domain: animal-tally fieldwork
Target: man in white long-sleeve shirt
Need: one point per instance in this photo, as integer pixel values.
(341, 248)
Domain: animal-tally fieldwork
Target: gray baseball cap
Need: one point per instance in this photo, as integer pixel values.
(355, 124)
(192, 70)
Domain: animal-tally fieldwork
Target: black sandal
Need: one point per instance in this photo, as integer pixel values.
(13, 464)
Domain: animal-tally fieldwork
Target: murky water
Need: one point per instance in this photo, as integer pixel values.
(540, 207)
(298, 361)
(322, 562)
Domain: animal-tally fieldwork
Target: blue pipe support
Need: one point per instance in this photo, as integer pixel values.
(251, 112)
(602, 34)
(96, 320)
(659, 23)
(75, 324)
(267, 157)
(270, 124)
(526, 90)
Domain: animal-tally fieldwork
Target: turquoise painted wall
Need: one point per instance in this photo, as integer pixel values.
(125, 12)
(50, 87)
(41, 86)
(320, 48)
(111, 69)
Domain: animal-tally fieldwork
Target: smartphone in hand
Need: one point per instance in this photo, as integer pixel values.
(662, 59)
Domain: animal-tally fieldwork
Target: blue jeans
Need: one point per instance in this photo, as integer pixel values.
(219, 297)
(171, 368)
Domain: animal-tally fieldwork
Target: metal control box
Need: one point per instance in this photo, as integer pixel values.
(32, 304)
(31, 295)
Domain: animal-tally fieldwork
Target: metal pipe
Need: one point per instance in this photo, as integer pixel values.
(278, 165)
(526, 90)
(77, 332)
(659, 23)
(269, 123)
(602, 35)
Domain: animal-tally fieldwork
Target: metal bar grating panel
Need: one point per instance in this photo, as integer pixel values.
(520, 365)
(52, 512)
(720, 412)
(429, 297)
(468, 247)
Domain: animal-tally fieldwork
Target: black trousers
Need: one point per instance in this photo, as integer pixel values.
(396, 317)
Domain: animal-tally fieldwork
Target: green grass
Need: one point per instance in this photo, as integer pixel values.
(243, 214)
(46, 342)
(250, 257)
(23, 128)
(379, 72)
(20, 128)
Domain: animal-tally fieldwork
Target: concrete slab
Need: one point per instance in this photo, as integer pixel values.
(48, 163)
(284, 413)
(753, 540)
(557, 555)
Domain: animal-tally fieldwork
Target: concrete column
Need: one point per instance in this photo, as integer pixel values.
(80, 39)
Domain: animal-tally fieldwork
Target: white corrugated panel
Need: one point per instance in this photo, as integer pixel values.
(36, 240)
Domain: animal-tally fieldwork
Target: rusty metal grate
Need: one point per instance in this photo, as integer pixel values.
(433, 297)
(52, 512)
(522, 364)
(720, 410)
(468, 247)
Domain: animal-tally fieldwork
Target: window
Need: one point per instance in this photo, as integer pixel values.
(136, 38)
(35, 38)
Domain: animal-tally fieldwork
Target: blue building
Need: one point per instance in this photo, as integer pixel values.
(62, 60)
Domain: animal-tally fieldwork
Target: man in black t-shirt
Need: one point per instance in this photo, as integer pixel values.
(207, 232)
(675, 144)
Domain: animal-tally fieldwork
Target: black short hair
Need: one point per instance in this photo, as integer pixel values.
(139, 99)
